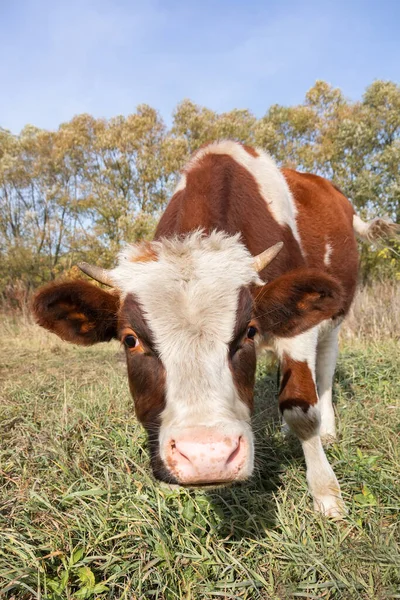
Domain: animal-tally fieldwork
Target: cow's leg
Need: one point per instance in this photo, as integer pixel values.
(327, 351)
(299, 405)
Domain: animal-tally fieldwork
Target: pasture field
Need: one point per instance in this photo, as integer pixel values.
(81, 516)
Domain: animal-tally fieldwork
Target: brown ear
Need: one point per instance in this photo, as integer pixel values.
(77, 311)
(296, 302)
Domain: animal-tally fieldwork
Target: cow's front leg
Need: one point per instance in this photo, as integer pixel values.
(327, 352)
(299, 405)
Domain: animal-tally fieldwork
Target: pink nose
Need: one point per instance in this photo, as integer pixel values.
(206, 456)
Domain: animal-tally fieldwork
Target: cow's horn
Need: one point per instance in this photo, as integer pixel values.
(263, 259)
(96, 273)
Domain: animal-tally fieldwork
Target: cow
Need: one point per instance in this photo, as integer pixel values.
(246, 257)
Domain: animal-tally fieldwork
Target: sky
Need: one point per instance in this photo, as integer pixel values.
(59, 58)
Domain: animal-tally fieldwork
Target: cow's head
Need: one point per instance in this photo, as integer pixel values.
(190, 313)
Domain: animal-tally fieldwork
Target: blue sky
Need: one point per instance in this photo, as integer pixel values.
(60, 58)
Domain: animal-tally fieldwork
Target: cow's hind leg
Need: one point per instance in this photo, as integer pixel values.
(327, 351)
(299, 405)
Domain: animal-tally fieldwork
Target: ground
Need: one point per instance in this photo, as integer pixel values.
(81, 516)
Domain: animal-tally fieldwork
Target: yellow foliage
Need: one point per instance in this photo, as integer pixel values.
(94, 184)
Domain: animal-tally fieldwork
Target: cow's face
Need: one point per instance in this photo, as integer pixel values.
(186, 323)
(190, 313)
(193, 387)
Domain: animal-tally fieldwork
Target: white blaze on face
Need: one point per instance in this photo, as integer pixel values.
(189, 296)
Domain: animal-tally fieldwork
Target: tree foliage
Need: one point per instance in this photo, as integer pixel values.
(94, 184)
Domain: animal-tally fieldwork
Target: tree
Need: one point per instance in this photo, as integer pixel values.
(84, 190)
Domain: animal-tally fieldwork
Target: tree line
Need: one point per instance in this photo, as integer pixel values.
(84, 190)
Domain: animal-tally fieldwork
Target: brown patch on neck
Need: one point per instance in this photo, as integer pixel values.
(146, 253)
(297, 385)
(252, 151)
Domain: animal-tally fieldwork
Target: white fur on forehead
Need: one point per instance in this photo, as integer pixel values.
(179, 247)
(188, 287)
(196, 258)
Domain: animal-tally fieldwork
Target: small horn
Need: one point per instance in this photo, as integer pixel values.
(96, 273)
(263, 259)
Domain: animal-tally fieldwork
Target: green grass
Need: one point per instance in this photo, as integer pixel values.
(81, 517)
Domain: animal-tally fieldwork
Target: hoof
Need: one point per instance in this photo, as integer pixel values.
(332, 507)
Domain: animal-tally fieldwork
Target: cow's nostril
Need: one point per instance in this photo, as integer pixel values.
(183, 455)
(178, 451)
(235, 452)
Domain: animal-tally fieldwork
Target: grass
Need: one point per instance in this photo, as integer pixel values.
(375, 313)
(81, 517)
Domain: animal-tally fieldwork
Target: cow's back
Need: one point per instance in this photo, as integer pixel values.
(236, 189)
(229, 187)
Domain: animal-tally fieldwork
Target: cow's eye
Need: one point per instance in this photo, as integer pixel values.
(251, 332)
(131, 341)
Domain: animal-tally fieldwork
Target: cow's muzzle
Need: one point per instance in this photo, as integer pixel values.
(204, 455)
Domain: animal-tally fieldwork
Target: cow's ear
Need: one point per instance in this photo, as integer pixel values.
(77, 311)
(296, 302)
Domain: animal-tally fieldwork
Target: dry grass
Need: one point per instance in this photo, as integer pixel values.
(375, 313)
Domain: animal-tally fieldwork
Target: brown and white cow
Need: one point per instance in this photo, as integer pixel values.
(192, 309)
